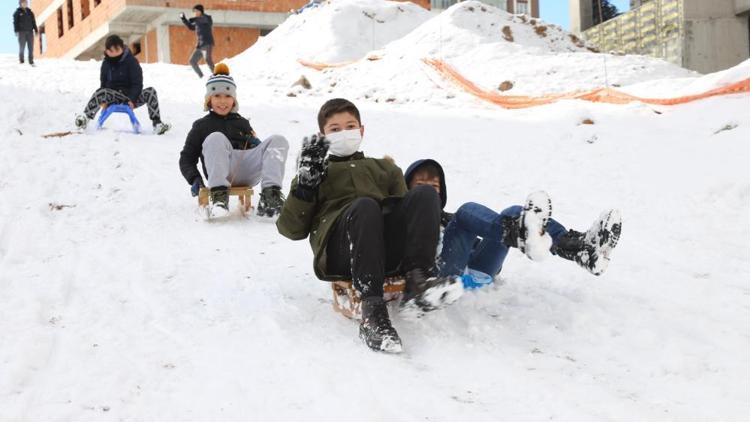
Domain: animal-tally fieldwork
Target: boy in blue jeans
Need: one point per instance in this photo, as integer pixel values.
(476, 239)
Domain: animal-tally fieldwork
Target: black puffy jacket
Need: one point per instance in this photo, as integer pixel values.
(203, 27)
(24, 20)
(233, 126)
(123, 74)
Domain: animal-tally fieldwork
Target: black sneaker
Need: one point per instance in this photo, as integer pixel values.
(376, 329)
(219, 202)
(271, 201)
(425, 294)
(591, 250)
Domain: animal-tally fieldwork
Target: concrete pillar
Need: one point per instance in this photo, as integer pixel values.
(163, 49)
(581, 15)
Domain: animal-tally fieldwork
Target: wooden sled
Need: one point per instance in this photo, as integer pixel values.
(245, 194)
(347, 302)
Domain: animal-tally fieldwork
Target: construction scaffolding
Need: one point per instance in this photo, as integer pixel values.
(653, 29)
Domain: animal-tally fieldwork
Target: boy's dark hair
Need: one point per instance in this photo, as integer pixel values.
(199, 7)
(113, 41)
(430, 169)
(336, 106)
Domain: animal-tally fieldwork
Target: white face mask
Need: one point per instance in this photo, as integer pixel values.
(344, 143)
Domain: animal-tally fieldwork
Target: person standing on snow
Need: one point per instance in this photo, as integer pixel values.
(202, 24)
(24, 25)
(121, 82)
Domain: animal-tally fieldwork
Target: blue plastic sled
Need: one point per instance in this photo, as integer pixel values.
(120, 108)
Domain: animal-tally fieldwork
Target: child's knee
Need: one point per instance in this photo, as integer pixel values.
(278, 142)
(216, 140)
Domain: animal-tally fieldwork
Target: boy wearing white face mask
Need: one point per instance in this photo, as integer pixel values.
(364, 225)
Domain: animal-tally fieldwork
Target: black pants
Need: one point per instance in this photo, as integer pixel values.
(368, 242)
(110, 96)
(26, 41)
(199, 53)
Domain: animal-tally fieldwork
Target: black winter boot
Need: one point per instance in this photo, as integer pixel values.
(271, 201)
(219, 202)
(376, 329)
(527, 232)
(425, 294)
(591, 250)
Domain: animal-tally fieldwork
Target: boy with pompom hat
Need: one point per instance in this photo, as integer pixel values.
(230, 152)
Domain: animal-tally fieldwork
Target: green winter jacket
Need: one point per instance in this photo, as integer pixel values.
(348, 179)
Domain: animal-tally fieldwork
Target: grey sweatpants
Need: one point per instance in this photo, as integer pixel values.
(26, 40)
(227, 166)
(198, 54)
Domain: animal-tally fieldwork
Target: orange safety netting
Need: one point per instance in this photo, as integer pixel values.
(601, 95)
(321, 66)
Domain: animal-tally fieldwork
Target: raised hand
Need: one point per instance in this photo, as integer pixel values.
(311, 164)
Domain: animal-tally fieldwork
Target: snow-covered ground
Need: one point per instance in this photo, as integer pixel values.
(120, 303)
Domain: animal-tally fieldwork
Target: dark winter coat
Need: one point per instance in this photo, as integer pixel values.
(445, 217)
(203, 27)
(348, 179)
(235, 127)
(24, 20)
(124, 75)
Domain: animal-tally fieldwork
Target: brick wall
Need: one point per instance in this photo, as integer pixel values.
(149, 52)
(229, 42)
(58, 46)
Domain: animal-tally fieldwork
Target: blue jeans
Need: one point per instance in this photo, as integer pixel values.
(474, 239)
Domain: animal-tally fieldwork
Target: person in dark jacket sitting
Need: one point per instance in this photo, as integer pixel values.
(231, 153)
(122, 83)
(363, 224)
(202, 24)
(24, 25)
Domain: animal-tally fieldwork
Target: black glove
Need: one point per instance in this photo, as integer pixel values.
(445, 218)
(312, 166)
(197, 185)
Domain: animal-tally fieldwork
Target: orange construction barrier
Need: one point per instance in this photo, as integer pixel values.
(601, 95)
(321, 66)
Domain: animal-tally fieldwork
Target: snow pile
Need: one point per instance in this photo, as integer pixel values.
(341, 31)
(690, 86)
(488, 45)
(120, 303)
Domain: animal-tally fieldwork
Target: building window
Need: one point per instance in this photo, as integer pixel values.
(71, 18)
(60, 23)
(85, 10)
(42, 39)
(265, 31)
(522, 8)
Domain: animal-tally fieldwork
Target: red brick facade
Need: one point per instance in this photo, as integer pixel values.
(229, 42)
(88, 17)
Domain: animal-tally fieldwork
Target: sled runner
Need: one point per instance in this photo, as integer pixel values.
(245, 194)
(119, 108)
(349, 304)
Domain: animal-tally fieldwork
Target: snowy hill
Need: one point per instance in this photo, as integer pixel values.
(121, 303)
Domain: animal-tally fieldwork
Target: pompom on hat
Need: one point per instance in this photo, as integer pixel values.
(221, 83)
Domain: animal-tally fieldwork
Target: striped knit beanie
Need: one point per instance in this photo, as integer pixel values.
(221, 83)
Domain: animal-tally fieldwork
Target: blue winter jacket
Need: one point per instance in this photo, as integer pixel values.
(124, 75)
